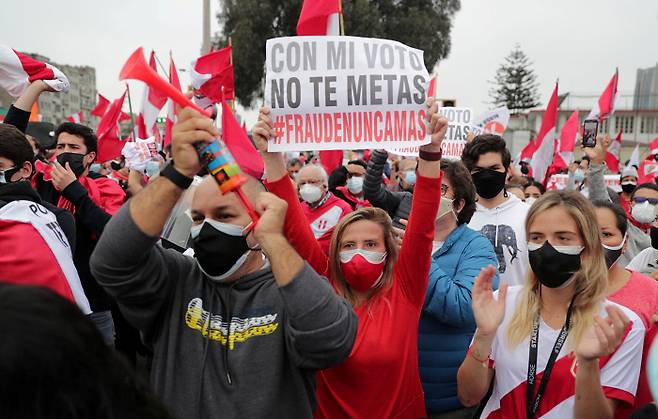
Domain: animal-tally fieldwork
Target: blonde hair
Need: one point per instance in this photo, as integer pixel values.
(591, 280)
(377, 216)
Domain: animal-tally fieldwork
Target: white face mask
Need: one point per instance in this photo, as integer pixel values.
(644, 213)
(370, 256)
(355, 184)
(530, 200)
(310, 193)
(445, 207)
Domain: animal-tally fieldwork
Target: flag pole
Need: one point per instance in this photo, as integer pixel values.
(340, 16)
(160, 64)
(130, 108)
(230, 60)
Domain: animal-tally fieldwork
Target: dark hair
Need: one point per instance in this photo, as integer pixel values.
(620, 214)
(651, 186)
(359, 163)
(462, 185)
(54, 363)
(337, 178)
(482, 144)
(294, 162)
(82, 131)
(14, 146)
(537, 185)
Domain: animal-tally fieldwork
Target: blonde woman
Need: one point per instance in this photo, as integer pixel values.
(558, 348)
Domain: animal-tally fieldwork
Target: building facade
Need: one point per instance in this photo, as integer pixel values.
(646, 88)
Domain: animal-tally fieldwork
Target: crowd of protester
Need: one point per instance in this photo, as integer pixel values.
(383, 287)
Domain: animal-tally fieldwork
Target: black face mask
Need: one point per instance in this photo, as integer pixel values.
(217, 251)
(116, 166)
(488, 182)
(525, 170)
(551, 267)
(611, 256)
(628, 188)
(654, 237)
(74, 160)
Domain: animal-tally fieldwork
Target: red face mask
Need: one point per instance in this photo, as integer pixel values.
(362, 269)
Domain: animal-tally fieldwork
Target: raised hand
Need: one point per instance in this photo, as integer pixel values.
(190, 128)
(487, 310)
(263, 130)
(597, 153)
(272, 212)
(604, 335)
(438, 127)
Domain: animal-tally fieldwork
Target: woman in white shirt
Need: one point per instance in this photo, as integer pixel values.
(558, 348)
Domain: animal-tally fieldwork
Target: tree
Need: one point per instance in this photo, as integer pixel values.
(515, 83)
(422, 24)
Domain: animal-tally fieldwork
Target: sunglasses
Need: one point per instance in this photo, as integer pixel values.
(640, 200)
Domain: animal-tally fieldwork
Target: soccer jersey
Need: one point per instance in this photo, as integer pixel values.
(619, 372)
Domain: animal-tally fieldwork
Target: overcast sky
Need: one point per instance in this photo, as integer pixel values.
(579, 41)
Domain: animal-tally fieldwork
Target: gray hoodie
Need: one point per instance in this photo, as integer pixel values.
(278, 336)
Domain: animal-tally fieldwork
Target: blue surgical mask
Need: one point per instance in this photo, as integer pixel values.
(410, 177)
(579, 175)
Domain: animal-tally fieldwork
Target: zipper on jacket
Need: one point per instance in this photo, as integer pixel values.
(229, 319)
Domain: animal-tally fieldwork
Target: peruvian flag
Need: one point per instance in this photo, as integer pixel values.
(545, 142)
(635, 157)
(18, 70)
(171, 105)
(319, 18)
(606, 104)
(152, 102)
(109, 145)
(212, 75)
(528, 151)
(77, 118)
(564, 155)
(612, 156)
(240, 145)
(101, 107)
(648, 170)
(653, 146)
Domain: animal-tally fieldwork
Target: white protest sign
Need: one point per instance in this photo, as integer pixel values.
(560, 182)
(138, 153)
(492, 122)
(459, 125)
(345, 93)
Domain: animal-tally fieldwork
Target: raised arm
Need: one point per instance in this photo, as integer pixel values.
(321, 326)
(415, 254)
(373, 188)
(595, 175)
(297, 229)
(19, 113)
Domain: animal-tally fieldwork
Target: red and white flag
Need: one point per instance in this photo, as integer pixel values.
(612, 156)
(606, 104)
(18, 70)
(568, 135)
(653, 146)
(240, 145)
(109, 144)
(648, 170)
(171, 105)
(212, 75)
(152, 102)
(545, 142)
(635, 157)
(101, 107)
(77, 118)
(319, 18)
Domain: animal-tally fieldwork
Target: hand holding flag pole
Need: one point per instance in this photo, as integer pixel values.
(221, 164)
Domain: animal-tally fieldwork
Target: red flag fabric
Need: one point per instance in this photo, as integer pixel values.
(331, 159)
(18, 70)
(316, 18)
(124, 117)
(240, 145)
(431, 91)
(528, 151)
(101, 107)
(606, 104)
(653, 146)
(648, 170)
(612, 156)
(564, 155)
(545, 142)
(109, 145)
(153, 100)
(211, 72)
(171, 106)
(77, 118)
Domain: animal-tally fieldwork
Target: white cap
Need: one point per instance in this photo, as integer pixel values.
(629, 171)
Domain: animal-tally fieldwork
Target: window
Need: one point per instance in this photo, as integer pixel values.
(604, 128)
(624, 124)
(648, 124)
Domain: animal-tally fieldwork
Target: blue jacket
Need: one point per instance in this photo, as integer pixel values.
(446, 323)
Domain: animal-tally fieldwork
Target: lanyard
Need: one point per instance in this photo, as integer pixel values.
(532, 405)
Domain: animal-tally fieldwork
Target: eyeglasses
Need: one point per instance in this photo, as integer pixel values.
(640, 200)
(444, 189)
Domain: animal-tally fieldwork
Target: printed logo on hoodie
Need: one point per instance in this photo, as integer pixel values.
(239, 330)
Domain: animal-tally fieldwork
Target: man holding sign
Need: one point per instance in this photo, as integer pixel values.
(345, 93)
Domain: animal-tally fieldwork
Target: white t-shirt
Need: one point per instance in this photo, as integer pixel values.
(504, 226)
(619, 372)
(645, 262)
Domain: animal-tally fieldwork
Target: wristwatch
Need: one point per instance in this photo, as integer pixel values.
(176, 177)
